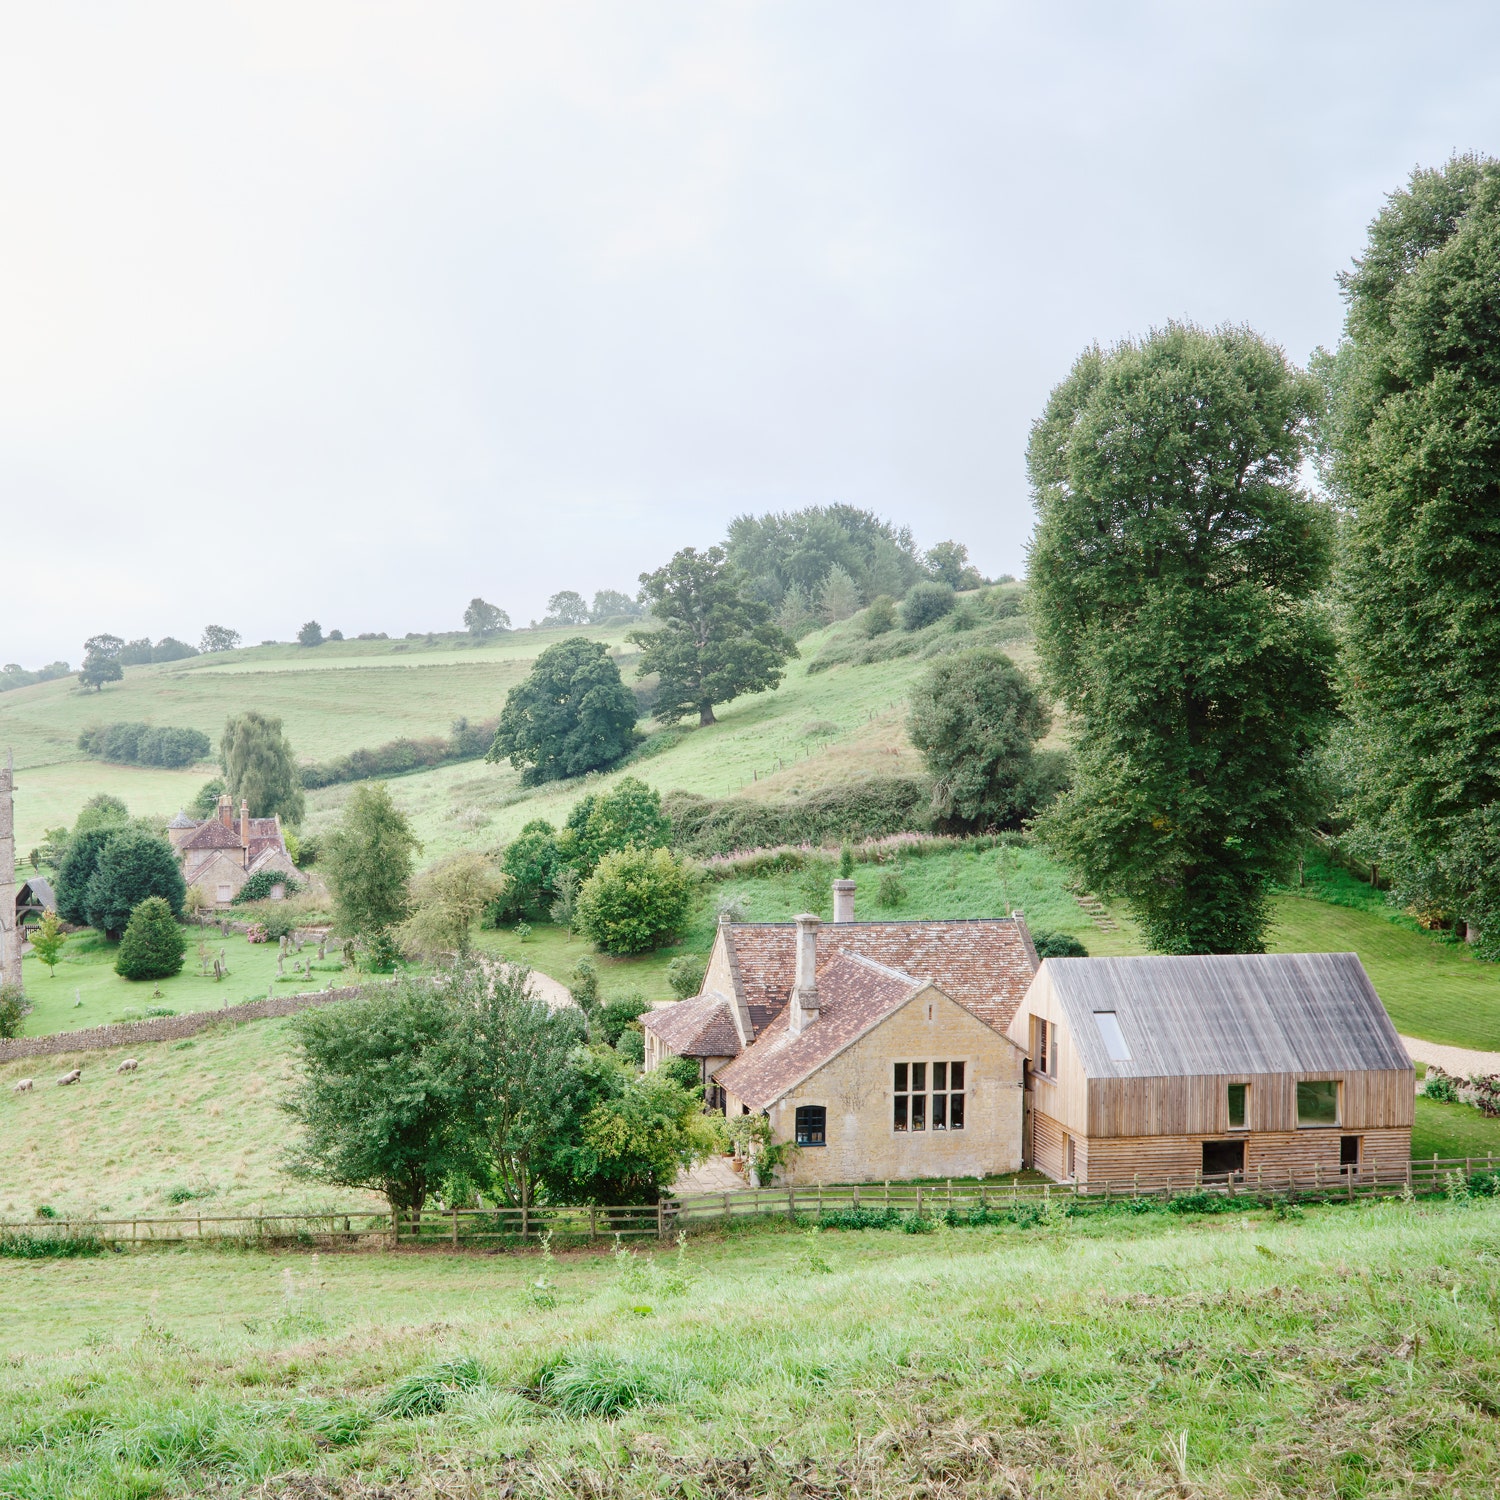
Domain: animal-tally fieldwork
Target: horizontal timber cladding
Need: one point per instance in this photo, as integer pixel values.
(1049, 1147)
(1134, 1107)
(1269, 1155)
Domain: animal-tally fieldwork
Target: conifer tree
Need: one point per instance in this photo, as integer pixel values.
(154, 945)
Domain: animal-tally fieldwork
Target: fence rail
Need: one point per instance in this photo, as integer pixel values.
(510, 1228)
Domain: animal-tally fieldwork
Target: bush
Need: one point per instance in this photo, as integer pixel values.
(617, 1015)
(1441, 1087)
(891, 891)
(880, 617)
(258, 887)
(636, 900)
(14, 1008)
(632, 1047)
(153, 946)
(1058, 945)
(926, 604)
(685, 975)
(143, 745)
(684, 1072)
(466, 741)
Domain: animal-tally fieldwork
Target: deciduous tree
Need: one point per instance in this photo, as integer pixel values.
(260, 768)
(447, 901)
(604, 822)
(311, 634)
(567, 607)
(219, 638)
(1174, 579)
(714, 641)
(636, 900)
(368, 861)
(47, 941)
(481, 618)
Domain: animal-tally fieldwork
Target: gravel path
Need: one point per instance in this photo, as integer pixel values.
(1462, 1062)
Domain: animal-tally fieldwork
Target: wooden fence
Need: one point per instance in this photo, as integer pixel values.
(514, 1228)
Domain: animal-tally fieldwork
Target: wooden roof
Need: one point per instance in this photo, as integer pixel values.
(1235, 1013)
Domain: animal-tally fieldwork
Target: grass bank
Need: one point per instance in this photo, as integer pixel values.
(1351, 1352)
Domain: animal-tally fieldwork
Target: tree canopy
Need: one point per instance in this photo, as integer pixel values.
(714, 641)
(485, 619)
(570, 716)
(1414, 450)
(1173, 582)
(795, 550)
(219, 638)
(636, 900)
(259, 767)
(368, 862)
(567, 607)
(132, 865)
(604, 822)
(447, 901)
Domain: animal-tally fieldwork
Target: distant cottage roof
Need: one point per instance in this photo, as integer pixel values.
(854, 995)
(1237, 1013)
(213, 835)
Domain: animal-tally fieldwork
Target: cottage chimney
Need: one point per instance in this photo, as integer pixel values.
(226, 810)
(804, 1002)
(843, 900)
(245, 828)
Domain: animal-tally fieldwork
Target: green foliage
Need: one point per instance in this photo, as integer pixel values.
(260, 769)
(142, 745)
(684, 1072)
(154, 946)
(49, 1246)
(429, 1392)
(976, 720)
(880, 617)
(368, 861)
(636, 900)
(218, 638)
(583, 985)
(98, 670)
(618, 1014)
(891, 892)
(635, 1140)
(396, 757)
(78, 867)
(838, 598)
(600, 1383)
(132, 865)
(567, 607)
(713, 640)
(846, 863)
(206, 801)
(448, 900)
(259, 886)
(948, 562)
(1174, 579)
(685, 974)
(779, 553)
(47, 940)
(926, 604)
(570, 716)
(871, 808)
(14, 1008)
(101, 811)
(1414, 445)
(632, 1047)
(311, 634)
(14, 675)
(628, 815)
(1441, 1087)
(611, 605)
(1058, 945)
(530, 863)
(485, 619)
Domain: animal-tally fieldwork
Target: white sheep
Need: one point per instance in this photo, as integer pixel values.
(128, 1066)
(25, 1085)
(72, 1077)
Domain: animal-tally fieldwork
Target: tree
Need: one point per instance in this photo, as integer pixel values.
(133, 864)
(77, 870)
(530, 863)
(101, 811)
(368, 861)
(630, 813)
(107, 647)
(311, 634)
(976, 721)
(135, 653)
(153, 946)
(839, 594)
(259, 767)
(98, 670)
(797, 549)
(610, 604)
(1413, 451)
(169, 648)
(636, 900)
(925, 605)
(636, 1140)
(1173, 583)
(14, 1008)
(206, 799)
(47, 940)
(567, 608)
(715, 642)
(448, 900)
(218, 638)
(377, 1092)
(880, 617)
(948, 562)
(485, 619)
(570, 716)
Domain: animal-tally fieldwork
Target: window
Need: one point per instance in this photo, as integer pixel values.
(1220, 1158)
(812, 1125)
(918, 1107)
(1114, 1039)
(1348, 1151)
(1239, 1106)
(1044, 1045)
(226, 892)
(1318, 1102)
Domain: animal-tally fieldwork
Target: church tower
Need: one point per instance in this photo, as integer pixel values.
(10, 936)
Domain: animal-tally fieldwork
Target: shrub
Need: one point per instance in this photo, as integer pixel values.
(1058, 945)
(466, 741)
(926, 604)
(14, 1008)
(617, 1015)
(143, 745)
(685, 975)
(880, 617)
(632, 1047)
(48, 1246)
(153, 946)
(636, 900)
(1441, 1087)
(891, 891)
(258, 887)
(684, 1072)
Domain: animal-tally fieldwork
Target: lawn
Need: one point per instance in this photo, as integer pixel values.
(1349, 1352)
(86, 991)
(1451, 1130)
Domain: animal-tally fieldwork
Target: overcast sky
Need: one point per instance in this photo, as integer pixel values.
(355, 311)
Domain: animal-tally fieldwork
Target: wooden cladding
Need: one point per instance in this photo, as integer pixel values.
(1196, 1106)
(1269, 1156)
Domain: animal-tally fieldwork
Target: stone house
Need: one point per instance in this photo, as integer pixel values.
(219, 854)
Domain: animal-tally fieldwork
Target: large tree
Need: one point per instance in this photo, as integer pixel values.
(101, 661)
(133, 864)
(1414, 438)
(482, 618)
(368, 861)
(794, 550)
(570, 716)
(1173, 580)
(447, 900)
(259, 767)
(714, 640)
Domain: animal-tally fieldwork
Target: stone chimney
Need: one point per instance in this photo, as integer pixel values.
(843, 900)
(804, 1001)
(245, 828)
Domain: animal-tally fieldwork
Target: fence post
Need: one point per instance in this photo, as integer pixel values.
(661, 1218)
(791, 1203)
(919, 1200)
(395, 1228)
(950, 1192)
(856, 1195)
(455, 1226)
(594, 1221)
(1408, 1176)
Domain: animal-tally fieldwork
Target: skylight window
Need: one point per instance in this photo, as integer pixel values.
(1114, 1039)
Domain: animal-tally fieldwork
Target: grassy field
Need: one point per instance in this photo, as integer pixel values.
(1351, 1352)
(86, 991)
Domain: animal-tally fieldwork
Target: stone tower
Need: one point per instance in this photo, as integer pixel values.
(10, 937)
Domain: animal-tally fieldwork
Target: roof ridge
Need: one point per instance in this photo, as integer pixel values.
(871, 963)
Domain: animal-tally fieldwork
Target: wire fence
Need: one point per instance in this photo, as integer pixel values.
(504, 1228)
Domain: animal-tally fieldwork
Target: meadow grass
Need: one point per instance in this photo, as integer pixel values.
(1349, 1352)
(1450, 1130)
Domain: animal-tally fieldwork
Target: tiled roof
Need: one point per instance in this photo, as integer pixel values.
(182, 820)
(264, 828)
(986, 965)
(854, 995)
(700, 1027)
(213, 835)
(264, 850)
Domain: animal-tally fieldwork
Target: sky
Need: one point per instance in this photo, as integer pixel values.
(355, 311)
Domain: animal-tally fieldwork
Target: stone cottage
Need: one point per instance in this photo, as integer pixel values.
(221, 853)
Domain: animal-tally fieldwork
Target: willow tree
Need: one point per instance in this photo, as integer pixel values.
(1174, 576)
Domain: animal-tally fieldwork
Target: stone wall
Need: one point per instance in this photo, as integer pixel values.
(171, 1028)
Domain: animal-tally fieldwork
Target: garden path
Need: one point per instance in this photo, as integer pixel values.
(1462, 1062)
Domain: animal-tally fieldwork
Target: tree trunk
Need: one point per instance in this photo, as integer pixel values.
(706, 714)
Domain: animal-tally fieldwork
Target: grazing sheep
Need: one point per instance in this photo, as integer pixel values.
(128, 1066)
(25, 1085)
(72, 1077)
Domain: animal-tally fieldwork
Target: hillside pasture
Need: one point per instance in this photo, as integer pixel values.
(1348, 1351)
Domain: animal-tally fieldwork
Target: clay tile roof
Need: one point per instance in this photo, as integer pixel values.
(261, 848)
(854, 995)
(985, 964)
(182, 820)
(213, 835)
(700, 1027)
(264, 828)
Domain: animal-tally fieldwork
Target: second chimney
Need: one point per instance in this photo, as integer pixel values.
(804, 1001)
(245, 826)
(843, 900)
